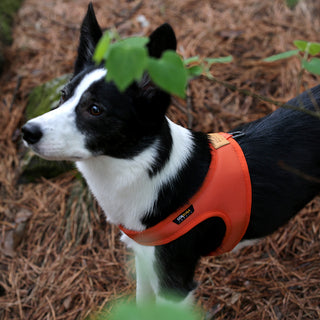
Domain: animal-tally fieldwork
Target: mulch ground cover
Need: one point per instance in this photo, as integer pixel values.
(59, 259)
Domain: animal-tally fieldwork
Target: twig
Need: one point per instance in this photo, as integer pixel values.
(299, 80)
(178, 105)
(51, 307)
(15, 92)
(129, 15)
(261, 98)
(185, 109)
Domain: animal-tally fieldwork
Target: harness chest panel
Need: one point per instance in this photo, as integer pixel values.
(225, 193)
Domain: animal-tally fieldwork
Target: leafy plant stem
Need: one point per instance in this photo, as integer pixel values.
(300, 74)
(299, 79)
(249, 93)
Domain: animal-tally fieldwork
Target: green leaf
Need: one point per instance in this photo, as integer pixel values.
(314, 48)
(195, 71)
(128, 43)
(169, 73)
(292, 3)
(301, 45)
(102, 48)
(134, 42)
(195, 59)
(150, 311)
(125, 64)
(313, 66)
(211, 61)
(283, 55)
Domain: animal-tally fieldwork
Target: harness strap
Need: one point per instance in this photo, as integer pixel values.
(225, 193)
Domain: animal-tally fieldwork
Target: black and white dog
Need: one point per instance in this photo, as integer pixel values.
(141, 167)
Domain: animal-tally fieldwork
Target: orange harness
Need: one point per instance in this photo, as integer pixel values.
(225, 193)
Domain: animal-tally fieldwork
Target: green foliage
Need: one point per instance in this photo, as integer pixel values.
(125, 63)
(218, 60)
(313, 66)
(197, 66)
(304, 50)
(312, 48)
(169, 73)
(102, 47)
(8, 8)
(130, 311)
(127, 59)
(283, 55)
(45, 97)
(292, 3)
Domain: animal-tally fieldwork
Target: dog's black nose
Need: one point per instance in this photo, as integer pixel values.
(31, 133)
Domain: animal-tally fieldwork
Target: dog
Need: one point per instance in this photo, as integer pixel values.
(142, 167)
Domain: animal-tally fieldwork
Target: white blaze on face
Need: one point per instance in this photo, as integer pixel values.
(61, 138)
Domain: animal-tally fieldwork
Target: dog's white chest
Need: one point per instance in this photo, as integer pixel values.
(122, 197)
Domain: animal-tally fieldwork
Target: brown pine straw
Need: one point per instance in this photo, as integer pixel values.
(59, 259)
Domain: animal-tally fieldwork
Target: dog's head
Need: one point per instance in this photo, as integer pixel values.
(93, 117)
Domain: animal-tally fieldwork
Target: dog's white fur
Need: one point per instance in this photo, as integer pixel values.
(147, 285)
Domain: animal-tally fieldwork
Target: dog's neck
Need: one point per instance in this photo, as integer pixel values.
(126, 191)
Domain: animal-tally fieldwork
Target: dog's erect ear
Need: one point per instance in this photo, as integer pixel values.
(90, 34)
(152, 102)
(161, 39)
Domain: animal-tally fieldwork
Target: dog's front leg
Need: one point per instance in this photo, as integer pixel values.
(163, 275)
(149, 283)
(146, 278)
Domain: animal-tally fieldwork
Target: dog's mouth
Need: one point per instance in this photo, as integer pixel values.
(56, 149)
(51, 154)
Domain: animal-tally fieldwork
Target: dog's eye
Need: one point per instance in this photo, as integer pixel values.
(63, 96)
(95, 110)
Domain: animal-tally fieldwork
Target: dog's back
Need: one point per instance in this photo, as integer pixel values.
(283, 157)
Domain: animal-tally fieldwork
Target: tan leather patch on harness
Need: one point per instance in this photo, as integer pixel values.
(218, 140)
